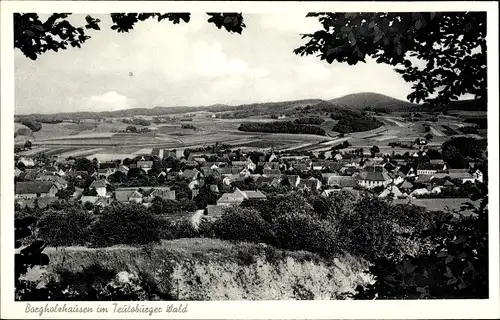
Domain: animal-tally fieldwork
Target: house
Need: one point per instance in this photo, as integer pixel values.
(200, 161)
(429, 168)
(348, 170)
(245, 172)
(397, 177)
(419, 192)
(338, 157)
(293, 180)
(99, 186)
(309, 184)
(407, 185)
(334, 180)
(190, 174)
(460, 174)
(215, 210)
(28, 162)
(424, 178)
(318, 166)
(42, 203)
(264, 181)
(301, 167)
(35, 189)
(163, 193)
(30, 174)
(95, 200)
(59, 182)
(271, 172)
(478, 175)
(248, 164)
(214, 188)
(78, 192)
(17, 172)
(373, 176)
(273, 157)
(238, 196)
(128, 195)
(269, 165)
(106, 172)
(392, 191)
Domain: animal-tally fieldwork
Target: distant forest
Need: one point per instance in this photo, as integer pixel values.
(281, 127)
(355, 102)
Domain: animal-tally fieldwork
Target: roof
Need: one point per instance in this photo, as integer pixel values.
(310, 184)
(300, 166)
(250, 194)
(430, 166)
(101, 183)
(437, 161)
(424, 178)
(91, 199)
(215, 210)
(374, 176)
(163, 193)
(123, 194)
(374, 168)
(29, 187)
(42, 202)
(406, 185)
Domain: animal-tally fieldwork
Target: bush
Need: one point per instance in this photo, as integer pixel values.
(298, 231)
(65, 228)
(243, 224)
(126, 224)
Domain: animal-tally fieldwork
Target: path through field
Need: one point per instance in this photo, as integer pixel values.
(436, 132)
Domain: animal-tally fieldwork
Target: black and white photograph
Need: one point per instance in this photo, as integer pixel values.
(251, 156)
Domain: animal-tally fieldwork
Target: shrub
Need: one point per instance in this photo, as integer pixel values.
(183, 228)
(65, 228)
(242, 224)
(298, 231)
(126, 224)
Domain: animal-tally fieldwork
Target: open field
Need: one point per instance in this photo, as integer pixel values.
(104, 140)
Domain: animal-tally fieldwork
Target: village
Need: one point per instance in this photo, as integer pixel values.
(209, 182)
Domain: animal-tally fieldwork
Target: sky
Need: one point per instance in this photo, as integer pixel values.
(191, 64)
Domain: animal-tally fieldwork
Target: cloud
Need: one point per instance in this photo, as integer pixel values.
(109, 101)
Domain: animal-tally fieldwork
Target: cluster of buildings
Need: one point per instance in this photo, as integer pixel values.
(299, 172)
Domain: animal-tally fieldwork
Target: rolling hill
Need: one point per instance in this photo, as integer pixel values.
(354, 102)
(373, 100)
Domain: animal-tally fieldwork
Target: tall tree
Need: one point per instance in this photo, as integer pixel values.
(451, 48)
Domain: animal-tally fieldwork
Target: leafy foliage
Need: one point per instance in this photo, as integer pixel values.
(459, 151)
(34, 37)
(243, 224)
(446, 41)
(121, 224)
(65, 228)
